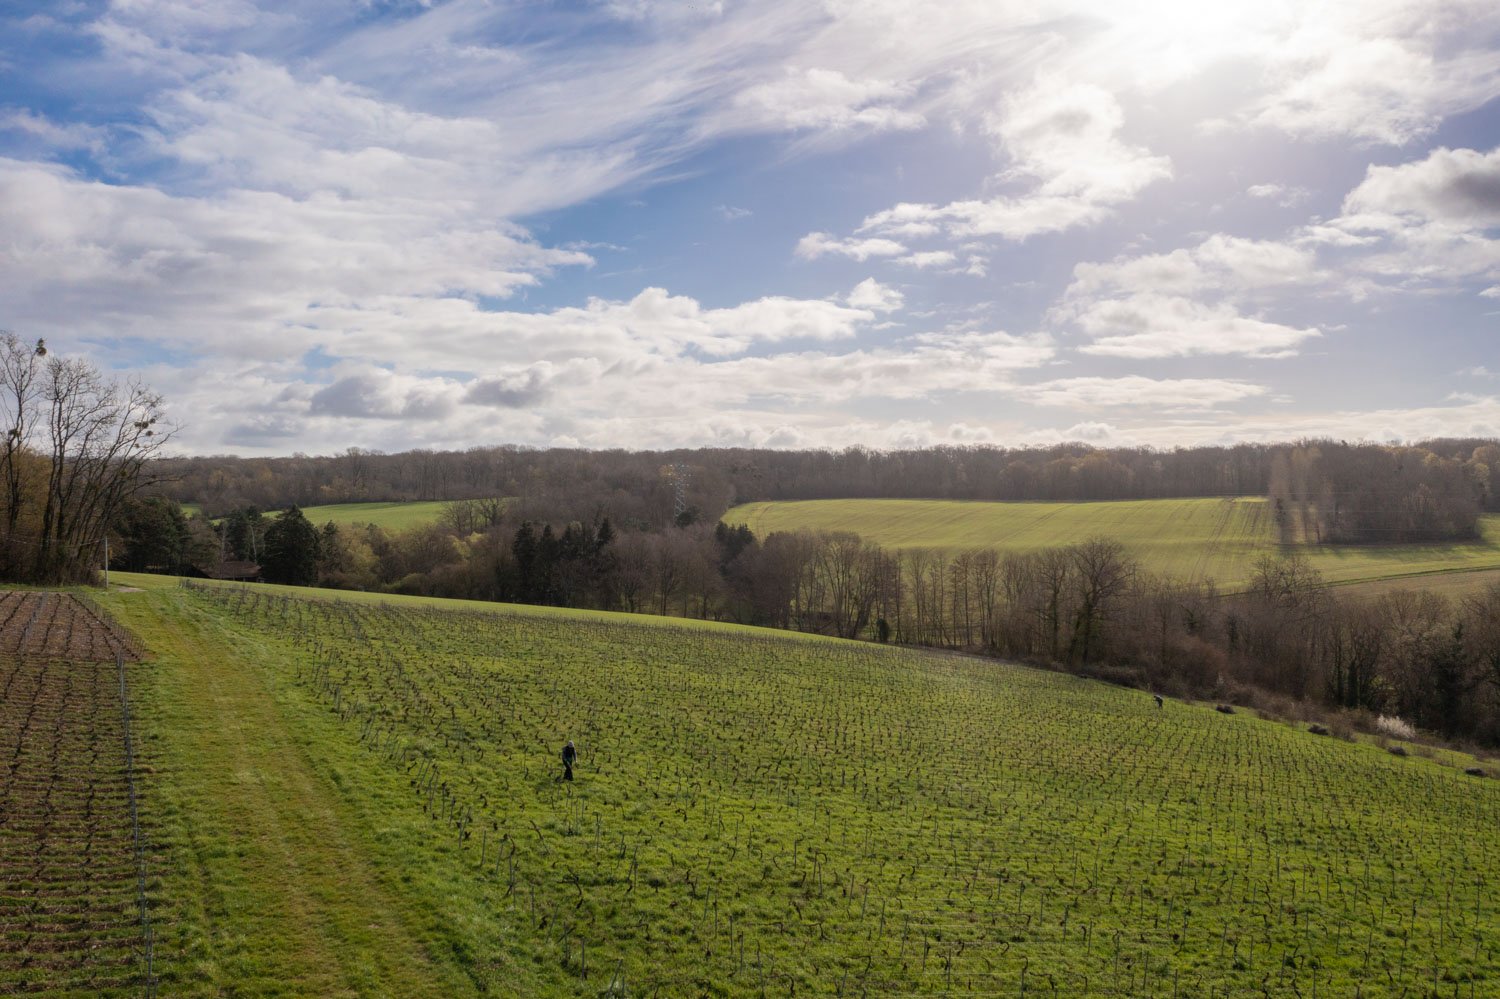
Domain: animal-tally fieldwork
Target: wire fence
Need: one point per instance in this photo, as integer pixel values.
(147, 948)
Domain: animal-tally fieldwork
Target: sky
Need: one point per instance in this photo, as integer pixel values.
(321, 224)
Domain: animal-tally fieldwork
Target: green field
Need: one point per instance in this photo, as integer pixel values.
(390, 516)
(1215, 539)
(361, 798)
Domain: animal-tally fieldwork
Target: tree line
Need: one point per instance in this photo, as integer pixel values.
(1337, 493)
(1428, 490)
(634, 488)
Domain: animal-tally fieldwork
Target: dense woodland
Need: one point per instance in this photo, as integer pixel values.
(1368, 493)
(634, 487)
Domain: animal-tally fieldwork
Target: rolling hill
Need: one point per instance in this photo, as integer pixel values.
(363, 797)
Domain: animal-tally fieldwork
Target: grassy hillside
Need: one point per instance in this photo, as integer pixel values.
(1195, 538)
(361, 798)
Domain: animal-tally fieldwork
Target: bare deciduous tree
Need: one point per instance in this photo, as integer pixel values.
(77, 447)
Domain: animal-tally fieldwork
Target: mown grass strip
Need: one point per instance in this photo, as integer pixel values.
(274, 880)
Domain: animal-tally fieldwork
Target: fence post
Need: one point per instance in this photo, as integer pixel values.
(135, 826)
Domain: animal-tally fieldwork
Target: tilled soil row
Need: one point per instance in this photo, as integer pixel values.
(70, 918)
(60, 626)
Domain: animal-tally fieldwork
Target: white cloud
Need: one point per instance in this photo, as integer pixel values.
(927, 259)
(1151, 325)
(929, 364)
(1135, 391)
(231, 272)
(871, 294)
(1189, 301)
(1381, 70)
(1067, 138)
(1459, 187)
(1091, 431)
(1286, 197)
(51, 135)
(369, 392)
(1062, 141)
(827, 100)
(818, 244)
(1221, 263)
(1426, 224)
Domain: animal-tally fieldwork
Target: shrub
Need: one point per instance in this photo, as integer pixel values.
(1395, 728)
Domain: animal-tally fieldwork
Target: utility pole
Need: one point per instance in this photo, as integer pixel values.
(106, 561)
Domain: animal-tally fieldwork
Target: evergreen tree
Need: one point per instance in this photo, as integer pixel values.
(291, 550)
(154, 535)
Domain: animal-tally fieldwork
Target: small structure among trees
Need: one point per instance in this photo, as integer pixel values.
(74, 447)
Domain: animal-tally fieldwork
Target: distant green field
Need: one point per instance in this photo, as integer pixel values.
(391, 516)
(363, 799)
(1215, 539)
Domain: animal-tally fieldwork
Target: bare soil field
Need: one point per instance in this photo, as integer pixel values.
(70, 903)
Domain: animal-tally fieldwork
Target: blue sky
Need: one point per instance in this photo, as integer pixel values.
(649, 223)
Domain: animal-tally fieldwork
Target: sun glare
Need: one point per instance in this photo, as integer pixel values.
(1160, 41)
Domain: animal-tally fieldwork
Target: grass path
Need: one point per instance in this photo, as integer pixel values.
(270, 881)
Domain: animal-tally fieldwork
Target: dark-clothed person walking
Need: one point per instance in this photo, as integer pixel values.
(570, 756)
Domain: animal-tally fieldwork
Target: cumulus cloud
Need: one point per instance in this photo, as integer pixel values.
(1221, 263)
(384, 395)
(1150, 326)
(1190, 301)
(1063, 143)
(512, 389)
(871, 294)
(1429, 223)
(1454, 186)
